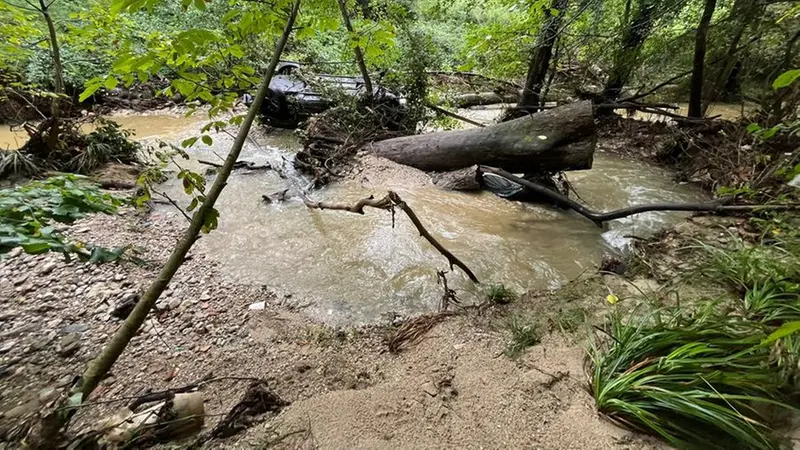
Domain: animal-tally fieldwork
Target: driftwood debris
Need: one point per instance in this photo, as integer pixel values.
(560, 139)
(482, 99)
(717, 206)
(389, 202)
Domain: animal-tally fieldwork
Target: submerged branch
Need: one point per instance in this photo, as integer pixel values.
(717, 206)
(390, 201)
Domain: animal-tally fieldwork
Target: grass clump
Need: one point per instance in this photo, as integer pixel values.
(524, 334)
(701, 379)
(570, 320)
(498, 294)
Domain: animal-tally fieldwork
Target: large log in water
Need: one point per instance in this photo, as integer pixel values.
(562, 138)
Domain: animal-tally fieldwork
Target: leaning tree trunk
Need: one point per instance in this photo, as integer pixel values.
(55, 108)
(696, 92)
(98, 368)
(362, 65)
(562, 138)
(540, 60)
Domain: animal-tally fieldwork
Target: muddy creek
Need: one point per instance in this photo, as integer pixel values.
(345, 268)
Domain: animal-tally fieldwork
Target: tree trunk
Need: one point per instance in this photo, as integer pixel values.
(98, 368)
(55, 108)
(540, 61)
(562, 138)
(696, 92)
(743, 13)
(362, 66)
(633, 38)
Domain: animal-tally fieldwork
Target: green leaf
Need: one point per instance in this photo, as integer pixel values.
(200, 4)
(207, 139)
(192, 205)
(110, 83)
(189, 142)
(211, 221)
(786, 79)
(91, 87)
(785, 330)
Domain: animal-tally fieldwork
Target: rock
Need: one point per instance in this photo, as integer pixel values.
(16, 251)
(22, 410)
(47, 268)
(21, 279)
(119, 277)
(69, 344)
(430, 389)
(47, 394)
(7, 346)
(174, 303)
(205, 297)
(258, 306)
(75, 328)
(124, 307)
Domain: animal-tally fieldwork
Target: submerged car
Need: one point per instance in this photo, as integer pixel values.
(293, 96)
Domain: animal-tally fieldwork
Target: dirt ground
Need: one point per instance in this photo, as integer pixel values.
(453, 389)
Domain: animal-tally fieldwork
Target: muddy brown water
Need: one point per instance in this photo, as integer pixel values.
(346, 268)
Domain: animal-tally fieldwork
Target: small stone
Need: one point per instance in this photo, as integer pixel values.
(7, 346)
(16, 251)
(47, 394)
(47, 268)
(258, 306)
(430, 389)
(174, 303)
(75, 328)
(119, 277)
(205, 298)
(21, 279)
(69, 344)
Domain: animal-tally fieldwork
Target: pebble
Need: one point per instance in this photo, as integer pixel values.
(75, 328)
(69, 344)
(7, 346)
(47, 268)
(258, 306)
(16, 251)
(174, 303)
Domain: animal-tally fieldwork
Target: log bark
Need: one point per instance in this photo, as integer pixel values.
(562, 138)
(482, 99)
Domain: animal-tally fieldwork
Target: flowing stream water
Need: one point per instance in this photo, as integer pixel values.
(349, 268)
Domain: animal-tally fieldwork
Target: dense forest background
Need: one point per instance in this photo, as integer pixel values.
(213, 48)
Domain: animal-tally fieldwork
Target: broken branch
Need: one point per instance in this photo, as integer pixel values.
(388, 202)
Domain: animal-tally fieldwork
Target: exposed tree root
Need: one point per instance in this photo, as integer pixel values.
(413, 330)
(389, 202)
(718, 206)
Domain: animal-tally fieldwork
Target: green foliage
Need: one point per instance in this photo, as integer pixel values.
(15, 162)
(698, 379)
(786, 79)
(498, 294)
(745, 266)
(107, 143)
(28, 215)
(524, 334)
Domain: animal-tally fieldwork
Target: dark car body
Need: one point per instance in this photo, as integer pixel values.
(293, 96)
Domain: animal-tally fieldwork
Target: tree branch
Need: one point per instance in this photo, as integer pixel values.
(392, 200)
(718, 206)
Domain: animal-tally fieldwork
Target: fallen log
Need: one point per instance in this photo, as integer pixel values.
(717, 206)
(560, 139)
(482, 99)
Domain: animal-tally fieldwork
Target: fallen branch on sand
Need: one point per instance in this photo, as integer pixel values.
(717, 206)
(389, 202)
